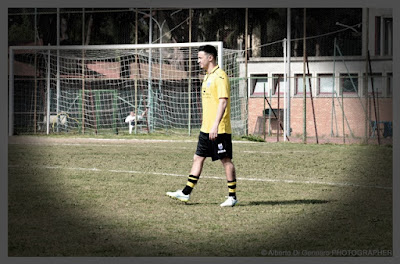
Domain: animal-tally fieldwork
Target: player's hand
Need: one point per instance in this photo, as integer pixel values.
(213, 133)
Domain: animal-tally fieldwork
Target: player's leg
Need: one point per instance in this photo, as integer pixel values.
(130, 128)
(197, 166)
(195, 172)
(202, 151)
(224, 151)
(231, 182)
(194, 176)
(229, 167)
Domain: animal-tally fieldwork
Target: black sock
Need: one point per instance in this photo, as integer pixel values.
(232, 188)
(192, 181)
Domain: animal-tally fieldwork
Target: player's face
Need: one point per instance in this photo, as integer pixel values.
(203, 59)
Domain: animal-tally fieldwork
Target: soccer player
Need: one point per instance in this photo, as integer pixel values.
(215, 139)
(131, 119)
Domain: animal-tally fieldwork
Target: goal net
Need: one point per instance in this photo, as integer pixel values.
(92, 89)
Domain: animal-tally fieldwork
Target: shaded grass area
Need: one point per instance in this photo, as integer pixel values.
(109, 199)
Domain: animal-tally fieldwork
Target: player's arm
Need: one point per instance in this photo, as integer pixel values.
(223, 102)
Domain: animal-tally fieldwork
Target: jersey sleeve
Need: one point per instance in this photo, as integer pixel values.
(223, 86)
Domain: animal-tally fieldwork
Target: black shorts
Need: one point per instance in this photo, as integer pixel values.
(220, 148)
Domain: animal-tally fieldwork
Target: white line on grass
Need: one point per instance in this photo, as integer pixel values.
(99, 145)
(67, 144)
(276, 152)
(341, 184)
(60, 141)
(109, 141)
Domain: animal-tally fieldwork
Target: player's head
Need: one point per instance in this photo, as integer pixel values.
(207, 54)
(210, 50)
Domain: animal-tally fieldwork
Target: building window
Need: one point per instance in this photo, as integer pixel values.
(349, 83)
(325, 83)
(299, 84)
(383, 36)
(279, 83)
(377, 35)
(377, 81)
(258, 81)
(390, 84)
(388, 36)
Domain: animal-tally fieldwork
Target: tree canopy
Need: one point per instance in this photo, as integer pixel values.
(95, 26)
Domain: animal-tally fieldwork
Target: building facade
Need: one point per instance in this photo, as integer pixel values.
(340, 98)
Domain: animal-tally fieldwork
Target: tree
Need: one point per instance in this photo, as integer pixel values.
(20, 29)
(47, 28)
(262, 17)
(323, 20)
(224, 24)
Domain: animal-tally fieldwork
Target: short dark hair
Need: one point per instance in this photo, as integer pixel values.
(209, 49)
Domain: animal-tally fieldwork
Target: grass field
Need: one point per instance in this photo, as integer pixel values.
(106, 197)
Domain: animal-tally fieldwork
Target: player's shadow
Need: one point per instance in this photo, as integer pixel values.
(255, 203)
(200, 203)
(289, 202)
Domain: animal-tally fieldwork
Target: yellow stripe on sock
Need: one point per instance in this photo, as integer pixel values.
(231, 183)
(190, 184)
(194, 179)
(232, 190)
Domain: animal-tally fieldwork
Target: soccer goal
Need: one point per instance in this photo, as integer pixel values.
(92, 89)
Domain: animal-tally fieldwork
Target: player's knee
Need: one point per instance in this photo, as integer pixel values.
(227, 162)
(197, 158)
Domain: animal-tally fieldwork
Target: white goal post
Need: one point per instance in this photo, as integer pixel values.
(92, 89)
